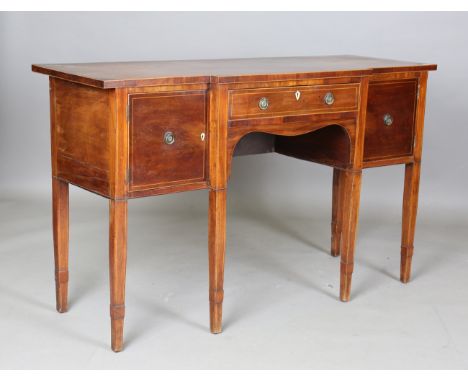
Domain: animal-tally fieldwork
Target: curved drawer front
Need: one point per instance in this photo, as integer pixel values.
(268, 102)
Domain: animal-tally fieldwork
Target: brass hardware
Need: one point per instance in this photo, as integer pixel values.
(169, 138)
(297, 94)
(263, 103)
(329, 98)
(388, 119)
(202, 136)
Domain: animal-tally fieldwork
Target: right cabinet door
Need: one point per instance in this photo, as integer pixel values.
(390, 119)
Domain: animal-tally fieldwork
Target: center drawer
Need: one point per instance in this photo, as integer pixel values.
(254, 103)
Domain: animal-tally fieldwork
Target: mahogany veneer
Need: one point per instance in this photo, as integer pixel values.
(134, 129)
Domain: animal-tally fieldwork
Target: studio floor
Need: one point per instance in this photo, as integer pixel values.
(281, 307)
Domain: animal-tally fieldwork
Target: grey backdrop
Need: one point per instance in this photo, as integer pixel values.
(281, 288)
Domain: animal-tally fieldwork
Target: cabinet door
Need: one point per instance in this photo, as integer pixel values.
(390, 119)
(167, 139)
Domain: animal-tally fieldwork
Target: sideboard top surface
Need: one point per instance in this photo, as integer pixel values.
(147, 73)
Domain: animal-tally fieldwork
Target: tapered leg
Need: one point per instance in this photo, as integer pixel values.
(117, 267)
(410, 207)
(216, 249)
(60, 232)
(337, 211)
(351, 190)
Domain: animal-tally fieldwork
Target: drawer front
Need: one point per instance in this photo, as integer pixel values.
(292, 100)
(167, 139)
(390, 119)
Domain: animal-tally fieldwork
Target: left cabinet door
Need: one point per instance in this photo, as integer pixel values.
(168, 139)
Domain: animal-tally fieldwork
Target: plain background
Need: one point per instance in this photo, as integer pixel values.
(277, 193)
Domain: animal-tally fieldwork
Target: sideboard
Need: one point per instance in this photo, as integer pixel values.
(132, 129)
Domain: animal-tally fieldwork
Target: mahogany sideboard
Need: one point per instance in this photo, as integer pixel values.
(132, 129)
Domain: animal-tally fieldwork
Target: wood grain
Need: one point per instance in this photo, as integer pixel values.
(351, 200)
(152, 161)
(410, 206)
(119, 145)
(217, 202)
(217, 249)
(60, 232)
(398, 99)
(411, 188)
(82, 122)
(151, 73)
(117, 269)
(352, 196)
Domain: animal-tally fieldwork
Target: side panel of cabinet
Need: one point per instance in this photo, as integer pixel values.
(167, 139)
(81, 129)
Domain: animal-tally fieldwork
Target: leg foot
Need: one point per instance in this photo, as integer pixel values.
(60, 231)
(216, 317)
(346, 273)
(405, 267)
(61, 290)
(216, 248)
(117, 325)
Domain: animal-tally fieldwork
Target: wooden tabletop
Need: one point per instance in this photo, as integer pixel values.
(146, 73)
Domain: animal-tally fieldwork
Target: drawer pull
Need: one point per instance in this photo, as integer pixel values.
(329, 98)
(263, 103)
(169, 138)
(388, 119)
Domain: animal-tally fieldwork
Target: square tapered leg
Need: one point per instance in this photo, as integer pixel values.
(410, 207)
(60, 220)
(351, 200)
(117, 268)
(217, 249)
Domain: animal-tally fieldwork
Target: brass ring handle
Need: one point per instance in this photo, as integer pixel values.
(329, 98)
(263, 103)
(387, 119)
(169, 138)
